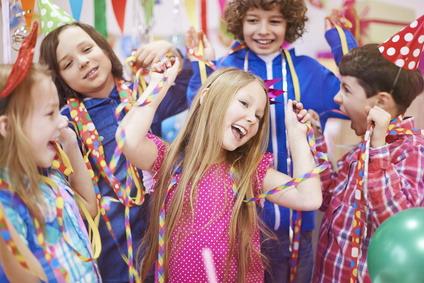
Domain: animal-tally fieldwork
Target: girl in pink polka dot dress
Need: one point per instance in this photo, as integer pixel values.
(205, 177)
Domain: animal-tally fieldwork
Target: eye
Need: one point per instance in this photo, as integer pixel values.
(244, 103)
(346, 90)
(276, 22)
(258, 117)
(67, 65)
(87, 49)
(251, 20)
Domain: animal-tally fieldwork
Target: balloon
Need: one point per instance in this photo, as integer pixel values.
(396, 250)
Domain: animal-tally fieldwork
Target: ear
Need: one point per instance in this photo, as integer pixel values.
(384, 100)
(203, 94)
(3, 125)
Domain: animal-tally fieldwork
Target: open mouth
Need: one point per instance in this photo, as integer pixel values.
(91, 73)
(238, 131)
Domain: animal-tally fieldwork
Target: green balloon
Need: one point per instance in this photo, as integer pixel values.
(396, 250)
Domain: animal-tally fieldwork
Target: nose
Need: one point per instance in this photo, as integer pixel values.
(263, 27)
(251, 118)
(82, 61)
(338, 98)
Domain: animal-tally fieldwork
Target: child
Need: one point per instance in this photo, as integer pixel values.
(88, 74)
(371, 94)
(207, 176)
(262, 27)
(30, 191)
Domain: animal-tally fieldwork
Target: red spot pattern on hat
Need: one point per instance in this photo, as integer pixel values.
(405, 47)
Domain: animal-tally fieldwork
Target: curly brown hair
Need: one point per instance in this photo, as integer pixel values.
(293, 11)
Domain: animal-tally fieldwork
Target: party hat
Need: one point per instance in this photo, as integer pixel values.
(52, 16)
(405, 47)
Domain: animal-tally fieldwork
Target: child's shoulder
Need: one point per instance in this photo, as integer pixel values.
(300, 59)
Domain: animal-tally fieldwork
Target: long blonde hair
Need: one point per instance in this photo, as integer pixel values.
(16, 157)
(195, 147)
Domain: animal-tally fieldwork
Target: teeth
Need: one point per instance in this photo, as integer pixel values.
(263, 41)
(242, 130)
(90, 73)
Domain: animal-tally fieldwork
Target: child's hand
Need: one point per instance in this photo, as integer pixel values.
(153, 52)
(296, 119)
(68, 137)
(336, 18)
(381, 120)
(192, 40)
(315, 122)
(167, 67)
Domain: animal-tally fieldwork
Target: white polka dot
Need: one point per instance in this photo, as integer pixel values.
(391, 51)
(54, 14)
(408, 37)
(381, 49)
(411, 65)
(414, 24)
(44, 1)
(49, 24)
(416, 52)
(395, 38)
(404, 50)
(421, 39)
(43, 11)
(400, 62)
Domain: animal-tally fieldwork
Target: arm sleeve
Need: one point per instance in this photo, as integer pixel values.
(12, 211)
(395, 184)
(329, 177)
(175, 101)
(195, 81)
(333, 39)
(161, 148)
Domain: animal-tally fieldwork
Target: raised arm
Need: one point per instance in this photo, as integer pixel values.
(80, 179)
(307, 195)
(138, 149)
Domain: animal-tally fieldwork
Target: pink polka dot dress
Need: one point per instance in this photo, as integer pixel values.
(208, 226)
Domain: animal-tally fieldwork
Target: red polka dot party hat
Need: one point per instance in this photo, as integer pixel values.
(405, 47)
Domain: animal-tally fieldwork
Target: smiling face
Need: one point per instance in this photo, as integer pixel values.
(264, 31)
(44, 124)
(244, 115)
(82, 63)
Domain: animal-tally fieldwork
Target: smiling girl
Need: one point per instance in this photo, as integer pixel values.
(209, 178)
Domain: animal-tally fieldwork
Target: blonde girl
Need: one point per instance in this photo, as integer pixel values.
(37, 203)
(209, 178)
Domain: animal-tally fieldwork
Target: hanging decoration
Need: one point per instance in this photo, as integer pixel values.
(100, 23)
(76, 7)
(28, 10)
(119, 11)
(204, 16)
(191, 10)
(222, 4)
(148, 7)
(52, 16)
